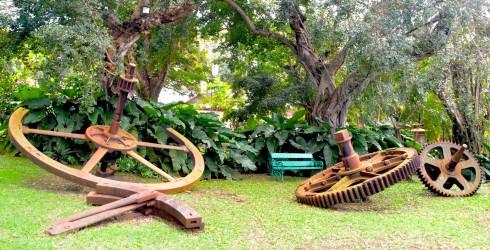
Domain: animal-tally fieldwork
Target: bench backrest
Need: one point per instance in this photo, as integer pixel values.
(292, 156)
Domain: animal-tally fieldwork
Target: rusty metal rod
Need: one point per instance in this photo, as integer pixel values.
(456, 158)
(349, 156)
(128, 80)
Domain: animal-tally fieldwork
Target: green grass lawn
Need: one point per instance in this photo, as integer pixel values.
(254, 213)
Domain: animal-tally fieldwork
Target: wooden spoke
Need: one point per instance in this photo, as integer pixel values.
(162, 146)
(96, 157)
(149, 165)
(27, 130)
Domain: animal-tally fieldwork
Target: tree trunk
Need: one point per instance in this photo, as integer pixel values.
(152, 86)
(464, 129)
(331, 103)
(127, 33)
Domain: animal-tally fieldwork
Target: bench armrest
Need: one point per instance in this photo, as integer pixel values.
(319, 164)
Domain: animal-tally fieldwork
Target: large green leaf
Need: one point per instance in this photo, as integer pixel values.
(360, 145)
(211, 164)
(270, 121)
(146, 106)
(370, 132)
(294, 119)
(282, 136)
(94, 116)
(228, 132)
(259, 143)
(243, 160)
(375, 143)
(271, 144)
(34, 116)
(37, 103)
(228, 172)
(203, 137)
(487, 147)
(244, 147)
(169, 119)
(178, 160)
(266, 129)
(158, 133)
(28, 94)
(393, 141)
(208, 120)
(314, 129)
(328, 156)
(315, 146)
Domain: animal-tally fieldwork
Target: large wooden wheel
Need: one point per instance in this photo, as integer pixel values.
(115, 196)
(123, 142)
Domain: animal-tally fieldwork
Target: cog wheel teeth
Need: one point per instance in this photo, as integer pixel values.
(438, 188)
(360, 190)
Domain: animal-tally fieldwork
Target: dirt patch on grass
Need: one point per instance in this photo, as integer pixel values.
(57, 185)
(486, 225)
(392, 242)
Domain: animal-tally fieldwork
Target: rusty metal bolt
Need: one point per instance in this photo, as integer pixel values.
(349, 156)
(369, 168)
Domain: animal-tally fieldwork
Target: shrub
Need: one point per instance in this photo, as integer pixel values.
(293, 135)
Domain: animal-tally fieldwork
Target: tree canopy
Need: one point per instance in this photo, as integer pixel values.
(343, 61)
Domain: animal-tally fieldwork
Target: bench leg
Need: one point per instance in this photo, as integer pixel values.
(274, 173)
(279, 173)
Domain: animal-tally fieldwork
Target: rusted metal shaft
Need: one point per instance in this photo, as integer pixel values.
(116, 119)
(125, 85)
(456, 158)
(349, 156)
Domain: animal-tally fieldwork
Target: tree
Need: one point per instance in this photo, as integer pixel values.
(84, 40)
(343, 46)
(126, 34)
(459, 75)
(171, 57)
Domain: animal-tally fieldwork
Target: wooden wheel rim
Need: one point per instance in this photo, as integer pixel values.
(16, 133)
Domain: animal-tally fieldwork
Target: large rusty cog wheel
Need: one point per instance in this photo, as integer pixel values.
(447, 169)
(374, 173)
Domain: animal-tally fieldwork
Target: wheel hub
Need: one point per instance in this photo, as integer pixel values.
(121, 141)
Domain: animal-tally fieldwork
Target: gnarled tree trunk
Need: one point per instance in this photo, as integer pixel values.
(126, 34)
(331, 103)
(465, 128)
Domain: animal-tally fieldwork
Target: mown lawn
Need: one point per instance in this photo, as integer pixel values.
(254, 213)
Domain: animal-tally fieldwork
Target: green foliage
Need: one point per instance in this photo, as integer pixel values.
(292, 135)
(7, 88)
(223, 150)
(484, 161)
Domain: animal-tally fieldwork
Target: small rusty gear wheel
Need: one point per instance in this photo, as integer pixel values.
(357, 177)
(447, 169)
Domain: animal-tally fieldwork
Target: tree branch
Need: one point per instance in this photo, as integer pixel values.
(142, 24)
(258, 32)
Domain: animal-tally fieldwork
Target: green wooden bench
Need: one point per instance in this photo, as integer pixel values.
(281, 162)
